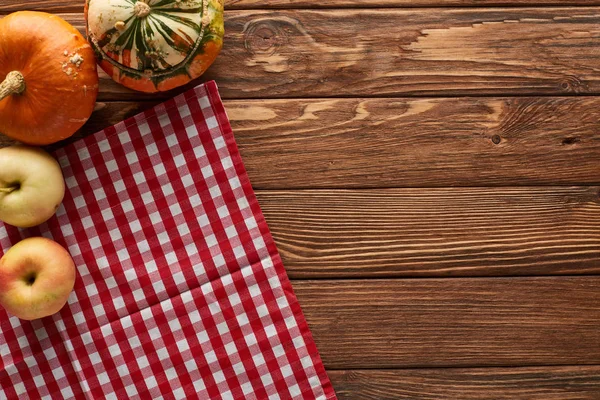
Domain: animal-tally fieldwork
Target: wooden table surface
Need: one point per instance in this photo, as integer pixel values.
(430, 170)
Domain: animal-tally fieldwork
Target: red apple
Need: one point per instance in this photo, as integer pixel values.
(36, 277)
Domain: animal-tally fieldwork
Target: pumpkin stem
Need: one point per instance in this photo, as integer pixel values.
(14, 83)
(141, 9)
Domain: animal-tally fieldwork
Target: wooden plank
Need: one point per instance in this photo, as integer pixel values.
(51, 6)
(528, 383)
(473, 322)
(436, 232)
(441, 52)
(7, 6)
(361, 143)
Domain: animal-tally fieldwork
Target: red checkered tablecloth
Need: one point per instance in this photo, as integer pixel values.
(180, 291)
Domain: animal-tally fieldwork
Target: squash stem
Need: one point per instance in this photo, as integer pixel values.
(14, 83)
(141, 9)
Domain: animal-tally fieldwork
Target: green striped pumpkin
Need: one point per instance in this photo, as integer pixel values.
(155, 45)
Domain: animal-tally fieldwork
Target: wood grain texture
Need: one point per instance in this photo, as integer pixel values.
(7, 6)
(50, 6)
(441, 52)
(362, 143)
(450, 322)
(528, 383)
(436, 232)
(370, 143)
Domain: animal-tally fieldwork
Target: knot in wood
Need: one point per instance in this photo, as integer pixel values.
(570, 140)
(571, 84)
(264, 38)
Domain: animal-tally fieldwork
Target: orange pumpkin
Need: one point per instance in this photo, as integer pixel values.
(155, 45)
(49, 78)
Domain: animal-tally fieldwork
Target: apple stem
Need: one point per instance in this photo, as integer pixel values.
(8, 190)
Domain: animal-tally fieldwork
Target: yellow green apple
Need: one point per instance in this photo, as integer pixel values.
(36, 277)
(31, 186)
